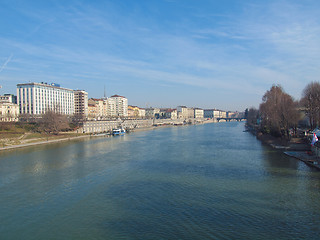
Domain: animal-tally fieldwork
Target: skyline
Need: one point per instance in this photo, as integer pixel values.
(163, 53)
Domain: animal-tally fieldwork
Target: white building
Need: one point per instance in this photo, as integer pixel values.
(182, 112)
(111, 107)
(142, 112)
(121, 105)
(198, 113)
(185, 112)
(8, 98)
(9, 112)
(37, 98)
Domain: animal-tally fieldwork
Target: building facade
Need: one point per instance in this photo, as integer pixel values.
(106, 108)
(81, 103)
(38, 98)
(182, 112)
(152, 112)
(185, 112)
(198, 113)
(9, 112)
(8, 98)
(133, 112)
(111, 109)
(214, 113)
(92, 111)
(208, 113)
(142, 112)
(99, 106)
(171, 114)
(121, 105)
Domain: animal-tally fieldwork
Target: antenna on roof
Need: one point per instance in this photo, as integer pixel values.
(104, 93)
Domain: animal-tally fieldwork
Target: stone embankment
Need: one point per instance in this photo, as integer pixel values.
(134, 124)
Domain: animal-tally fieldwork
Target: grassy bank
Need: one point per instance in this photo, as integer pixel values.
(12, 134)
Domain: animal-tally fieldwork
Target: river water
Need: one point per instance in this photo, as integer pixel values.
(210, 181)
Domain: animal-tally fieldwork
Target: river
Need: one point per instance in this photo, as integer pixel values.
(210, 181)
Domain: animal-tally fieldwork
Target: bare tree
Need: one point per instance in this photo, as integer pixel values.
(77, 120)
(53, 122)
(252, 117)
(27, 118)
(278, 111)
(311, 101)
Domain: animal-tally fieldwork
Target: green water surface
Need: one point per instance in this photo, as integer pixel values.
(210, 181)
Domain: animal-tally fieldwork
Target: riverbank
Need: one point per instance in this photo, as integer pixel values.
(306, 157)
(70, 137)
(42, 142)
(298, 148)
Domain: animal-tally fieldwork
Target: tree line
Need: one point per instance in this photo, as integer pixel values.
(279, 114)
(52, 122)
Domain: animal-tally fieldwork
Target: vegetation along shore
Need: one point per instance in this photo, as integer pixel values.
(287, 124)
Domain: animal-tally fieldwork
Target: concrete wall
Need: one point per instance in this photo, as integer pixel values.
(106, 126)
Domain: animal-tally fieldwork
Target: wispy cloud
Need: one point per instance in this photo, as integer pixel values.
(240, 51)
(5, 63)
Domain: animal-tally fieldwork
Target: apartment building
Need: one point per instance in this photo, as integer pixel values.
(185, 112)
(37, 98)
(171, 113)
(81, 103)
(98, 108)
(214, 113)
(142, 112)
(152, 112)
(182, 112)
(92, 111)
(111, 110)
(136, 112)
(102, 108)
(121, 105)
(133, 112)
(198, 113)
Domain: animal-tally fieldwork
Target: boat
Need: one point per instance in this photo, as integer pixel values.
(118, 131)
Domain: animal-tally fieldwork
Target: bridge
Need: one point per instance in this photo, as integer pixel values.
(231, 119)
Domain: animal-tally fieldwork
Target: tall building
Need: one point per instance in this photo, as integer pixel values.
(111, 108)
(121, 105)
(81, 103)
(37, 98)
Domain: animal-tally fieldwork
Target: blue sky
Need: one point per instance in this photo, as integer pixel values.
(164, 53)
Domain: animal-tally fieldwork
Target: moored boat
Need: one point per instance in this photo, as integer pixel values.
(119, 131)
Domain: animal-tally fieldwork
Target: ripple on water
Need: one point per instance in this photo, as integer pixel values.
(198, 182)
